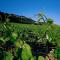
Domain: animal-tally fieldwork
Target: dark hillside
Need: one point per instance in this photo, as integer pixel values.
(6, 17)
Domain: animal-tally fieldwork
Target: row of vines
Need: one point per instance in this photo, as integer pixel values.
(28, 41)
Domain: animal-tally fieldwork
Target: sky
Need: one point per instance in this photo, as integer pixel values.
(31, 8)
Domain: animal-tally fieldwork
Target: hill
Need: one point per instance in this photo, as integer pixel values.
(6, 17)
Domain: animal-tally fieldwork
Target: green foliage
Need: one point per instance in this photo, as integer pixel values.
(50, 21)
(26, 52)
(40, 58)
(57, 53)
(8, 56)
(13, 41)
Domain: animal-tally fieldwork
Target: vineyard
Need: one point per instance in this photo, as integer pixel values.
(21, 38)
(29, 41)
